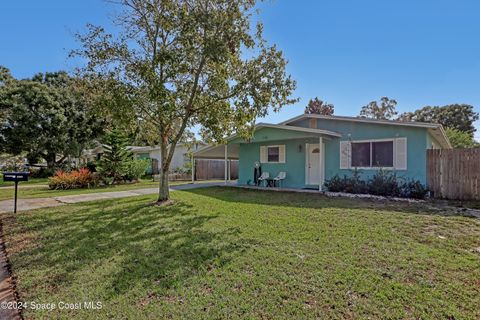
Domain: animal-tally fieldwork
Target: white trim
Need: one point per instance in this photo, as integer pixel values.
(345, 152)
(320, 164)
(322, 180)
(226, 163)
(307, 152)
(295, 128)
(365, 120)
(321, 160)
(193, 169)
(373, 140)
(264, 153)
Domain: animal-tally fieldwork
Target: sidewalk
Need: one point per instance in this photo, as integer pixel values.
(37, 203)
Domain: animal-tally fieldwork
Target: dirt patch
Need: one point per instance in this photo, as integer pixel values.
(7, 284)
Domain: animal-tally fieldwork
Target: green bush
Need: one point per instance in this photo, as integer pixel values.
(382, 183)
(134, 169)
(336, 184)
(352, 184)
(414, 189)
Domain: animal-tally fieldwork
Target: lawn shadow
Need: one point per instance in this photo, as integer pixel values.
(146, 244)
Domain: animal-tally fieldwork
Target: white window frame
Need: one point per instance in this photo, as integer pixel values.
(281, 153)
(273, 146)
(370, 141)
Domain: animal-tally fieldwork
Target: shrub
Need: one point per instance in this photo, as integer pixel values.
(414, 189)
(336, 184)
(346, 184)
(382, 183)
(354, 184)
(82, 178)
(134, 169)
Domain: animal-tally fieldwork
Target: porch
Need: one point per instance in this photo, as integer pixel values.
(276, 149)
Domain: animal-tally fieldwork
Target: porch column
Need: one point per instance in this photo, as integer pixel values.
(229, 170)
(320, 159)
(226, 163)
(193, 169)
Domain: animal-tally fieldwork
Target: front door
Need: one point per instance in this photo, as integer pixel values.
(313, 164)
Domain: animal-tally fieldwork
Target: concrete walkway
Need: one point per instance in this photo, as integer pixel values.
(37, 203)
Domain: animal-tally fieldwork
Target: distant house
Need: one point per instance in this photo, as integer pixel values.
(313, 148)
(179, 160)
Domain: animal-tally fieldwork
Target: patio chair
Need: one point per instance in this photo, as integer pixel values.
(278, 179)
(263, 177)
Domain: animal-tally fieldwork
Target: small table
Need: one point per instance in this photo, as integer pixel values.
(270, 183)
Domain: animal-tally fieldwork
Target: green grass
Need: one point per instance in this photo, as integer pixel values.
(36, 191)
(232, 253)
(34, 181)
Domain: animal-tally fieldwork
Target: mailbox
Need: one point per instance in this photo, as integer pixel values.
(15, 176)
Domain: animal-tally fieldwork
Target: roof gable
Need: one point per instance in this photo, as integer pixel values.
(433, 128)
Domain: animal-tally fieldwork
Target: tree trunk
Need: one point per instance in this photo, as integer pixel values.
(163, 190)
(51, 161)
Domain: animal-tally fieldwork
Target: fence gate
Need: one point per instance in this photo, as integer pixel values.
(454, 173)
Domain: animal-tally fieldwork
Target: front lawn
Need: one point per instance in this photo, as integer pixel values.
(234, 253)
(42, 191)
(31, 181)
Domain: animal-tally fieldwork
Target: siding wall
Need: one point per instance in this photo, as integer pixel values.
(418, 140)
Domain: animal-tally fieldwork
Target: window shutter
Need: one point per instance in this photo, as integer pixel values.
(281, 153)
(345, 158)
(401, 153)
(263, 154)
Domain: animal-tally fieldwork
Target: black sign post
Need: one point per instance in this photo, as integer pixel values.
(15, 177)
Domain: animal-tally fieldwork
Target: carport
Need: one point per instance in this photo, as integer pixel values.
(217, 152)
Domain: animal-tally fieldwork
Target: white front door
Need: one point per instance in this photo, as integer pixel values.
(313, 164)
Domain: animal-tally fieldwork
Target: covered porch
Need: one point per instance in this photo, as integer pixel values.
(224, 152)
(295, 155)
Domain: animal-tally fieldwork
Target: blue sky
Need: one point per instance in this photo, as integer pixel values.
(423, 52)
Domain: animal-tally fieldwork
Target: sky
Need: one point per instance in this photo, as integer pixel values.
(348, 53)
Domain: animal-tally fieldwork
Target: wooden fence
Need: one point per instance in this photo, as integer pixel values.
(454, 173)
(214, 169)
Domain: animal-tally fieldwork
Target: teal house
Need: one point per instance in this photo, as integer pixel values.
(309, 149)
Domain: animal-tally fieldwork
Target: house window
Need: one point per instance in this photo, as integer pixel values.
(374, 154)
(273, 154)
(361, 154)
(382, 154)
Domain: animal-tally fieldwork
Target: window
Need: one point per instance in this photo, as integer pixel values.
(273, 154)
(361, 154)
(382, 154)
(372, 154)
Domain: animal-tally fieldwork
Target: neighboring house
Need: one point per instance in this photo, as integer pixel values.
(313, 148)
(179, 160)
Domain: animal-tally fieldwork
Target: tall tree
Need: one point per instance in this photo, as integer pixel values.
(382, 110)
(115, 155)
(317, 106)
(190, 63)
(455, 116)
(45, 117)
(461, 139)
